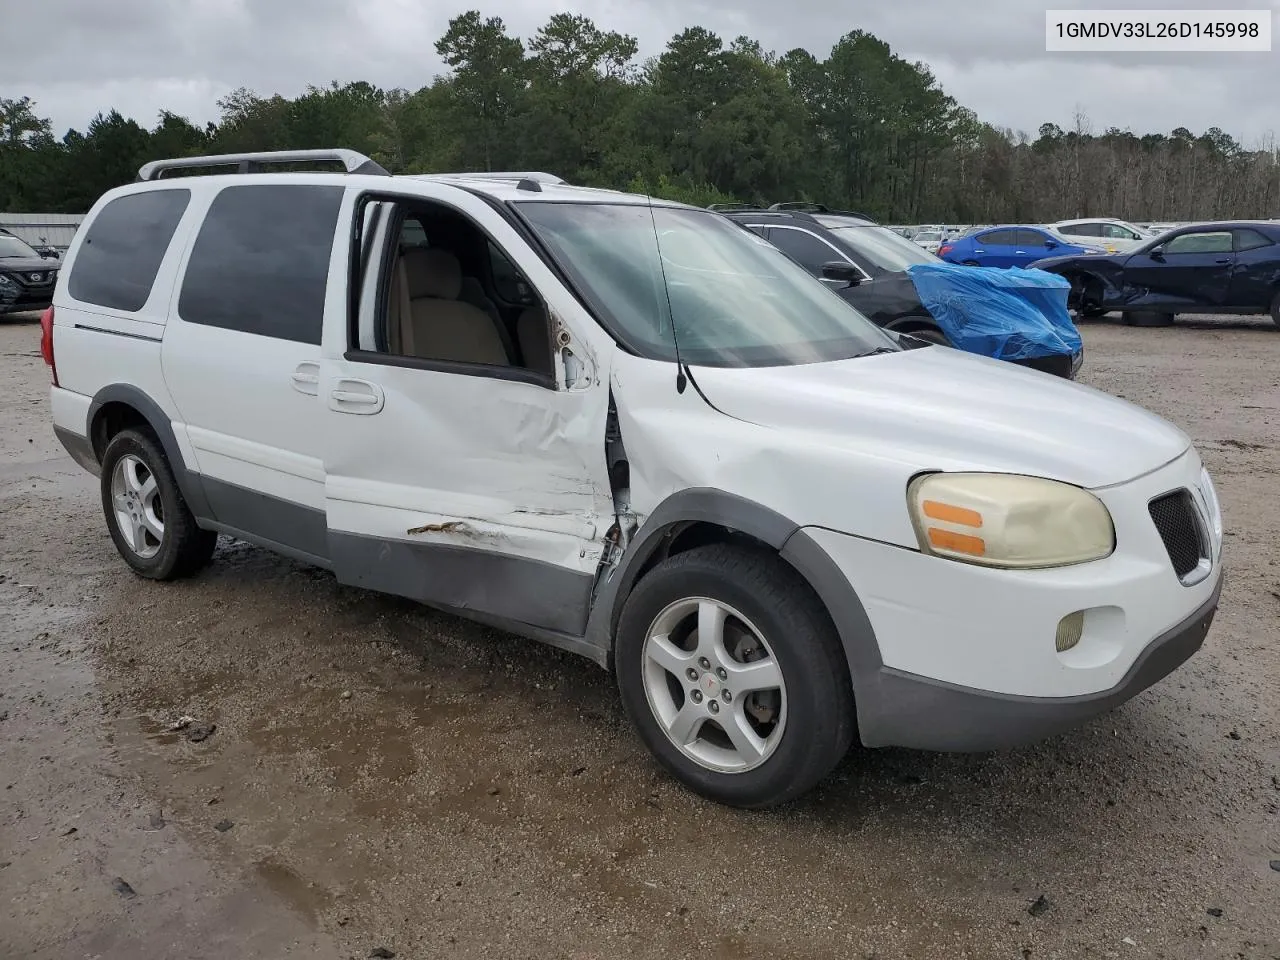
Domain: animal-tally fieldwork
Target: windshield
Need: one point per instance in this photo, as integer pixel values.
(886, 249)
(733, 299)
(13, 247)
(928, 235)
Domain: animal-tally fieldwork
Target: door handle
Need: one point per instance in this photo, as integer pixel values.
(1223, 260)
(306, 378)
(979, 251)
(356, 396)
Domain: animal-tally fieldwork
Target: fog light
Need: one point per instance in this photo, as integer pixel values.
(1070, 629)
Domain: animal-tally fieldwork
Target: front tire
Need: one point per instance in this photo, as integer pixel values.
(734, 676)
(1147, 318)
(149, 521)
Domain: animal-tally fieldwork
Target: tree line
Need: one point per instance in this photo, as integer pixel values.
(702, 122)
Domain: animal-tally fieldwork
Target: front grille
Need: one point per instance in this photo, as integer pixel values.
(1175, 518)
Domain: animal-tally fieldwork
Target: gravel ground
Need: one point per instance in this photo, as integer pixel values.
(382, 776)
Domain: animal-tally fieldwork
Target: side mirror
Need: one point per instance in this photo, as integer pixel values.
(1051, 244)
(840, 270)
(1156, 253)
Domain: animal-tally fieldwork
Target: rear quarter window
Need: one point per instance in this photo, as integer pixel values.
(120, 255)
(260, 263)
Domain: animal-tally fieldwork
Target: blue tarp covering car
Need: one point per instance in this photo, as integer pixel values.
(1009, 314)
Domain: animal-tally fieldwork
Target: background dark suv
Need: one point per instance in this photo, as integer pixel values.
(26, 278)
(880, 287)
(873, 277)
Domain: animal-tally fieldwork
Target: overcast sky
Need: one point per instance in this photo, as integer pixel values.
(77, 57)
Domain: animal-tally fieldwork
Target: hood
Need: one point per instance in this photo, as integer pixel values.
(939, 408)
(28, 265)
(1053, 263)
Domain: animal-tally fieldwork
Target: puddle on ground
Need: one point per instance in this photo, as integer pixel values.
(297, 891)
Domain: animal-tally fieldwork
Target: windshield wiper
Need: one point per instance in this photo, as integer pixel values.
(872, 353)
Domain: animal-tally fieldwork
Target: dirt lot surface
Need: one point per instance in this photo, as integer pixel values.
(382, 776)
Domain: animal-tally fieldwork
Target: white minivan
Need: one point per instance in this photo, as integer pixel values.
(634, 430)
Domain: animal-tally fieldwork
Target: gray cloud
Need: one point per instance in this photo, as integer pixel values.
(76, 57)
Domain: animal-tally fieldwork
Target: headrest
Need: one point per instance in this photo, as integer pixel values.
(432, 272)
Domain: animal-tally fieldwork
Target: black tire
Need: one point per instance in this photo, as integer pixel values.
(927, 331)
(184, 548)
(1092, 312)
(1147, 318)
(820, 720)
(1275, 309)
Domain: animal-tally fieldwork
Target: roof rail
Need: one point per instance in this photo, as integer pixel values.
(807, 207)
(254, 162)
(733, 206)
(534, 176)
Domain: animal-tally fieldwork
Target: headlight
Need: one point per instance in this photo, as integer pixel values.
(7, 283)
(1010, 521)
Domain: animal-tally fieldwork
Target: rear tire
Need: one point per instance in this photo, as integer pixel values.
(695, 634)
(149, 521)
(1147, 318)
(925, 331)
(1275, 309)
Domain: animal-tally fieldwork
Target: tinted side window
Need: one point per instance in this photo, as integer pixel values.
(1250, 240)
(997, 238)
(120, 256)
(1215, 242)
(261, 261)
(1031, 238)
(1082, 230)
(804, 248)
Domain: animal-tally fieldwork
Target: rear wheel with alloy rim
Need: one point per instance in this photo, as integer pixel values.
(149, 521)
(734, 676)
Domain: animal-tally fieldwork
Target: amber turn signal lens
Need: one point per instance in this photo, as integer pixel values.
(950, 514)
(959, 542)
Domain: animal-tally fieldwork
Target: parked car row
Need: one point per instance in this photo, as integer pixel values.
(1214, 268)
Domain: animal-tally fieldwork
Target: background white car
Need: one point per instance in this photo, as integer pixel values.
(1116, 236)
(929, 239)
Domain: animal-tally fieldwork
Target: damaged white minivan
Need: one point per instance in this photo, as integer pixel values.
(631, 429)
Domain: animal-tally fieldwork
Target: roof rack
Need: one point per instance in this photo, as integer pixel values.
(354, 163)
(806, 207)
(722, 207)
(532, 176)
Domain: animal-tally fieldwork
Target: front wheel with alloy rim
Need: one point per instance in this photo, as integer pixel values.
(149, 521)
(734, 676)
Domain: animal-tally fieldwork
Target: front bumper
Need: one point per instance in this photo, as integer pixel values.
(953, 656)
(22, 306)
(906, 710)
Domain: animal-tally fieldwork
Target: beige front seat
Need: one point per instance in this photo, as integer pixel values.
(441, 327)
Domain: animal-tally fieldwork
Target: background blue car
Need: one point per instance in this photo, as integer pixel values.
(1010, 246)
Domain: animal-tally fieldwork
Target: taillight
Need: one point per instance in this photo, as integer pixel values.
(46, 343)
(945, 249)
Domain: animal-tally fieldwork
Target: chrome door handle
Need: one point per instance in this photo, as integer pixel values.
(1223, 260)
